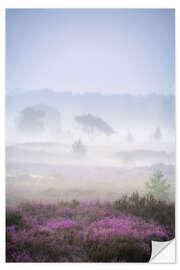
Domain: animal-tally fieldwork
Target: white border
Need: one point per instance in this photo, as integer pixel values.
(90, 4)
(73, 4)
(2, 134)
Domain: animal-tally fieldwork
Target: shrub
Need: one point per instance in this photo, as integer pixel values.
(13, 217)
(92, 231)
(120, 249)
(158, 187)
(149, 208)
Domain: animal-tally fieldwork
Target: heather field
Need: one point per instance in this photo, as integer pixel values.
(92, 231)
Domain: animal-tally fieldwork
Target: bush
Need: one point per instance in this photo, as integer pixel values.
(120, 249)
(13, 217)
(148, 208)
(79, 148)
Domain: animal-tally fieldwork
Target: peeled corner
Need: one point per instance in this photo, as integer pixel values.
(163, 252)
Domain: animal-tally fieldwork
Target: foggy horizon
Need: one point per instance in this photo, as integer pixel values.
(19, 91)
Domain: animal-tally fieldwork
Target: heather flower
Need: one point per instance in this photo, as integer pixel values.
(59, 223)
(86, 231)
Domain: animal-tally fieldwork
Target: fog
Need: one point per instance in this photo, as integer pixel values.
(86, 146)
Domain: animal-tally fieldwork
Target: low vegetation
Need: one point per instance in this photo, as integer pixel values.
(118, 231)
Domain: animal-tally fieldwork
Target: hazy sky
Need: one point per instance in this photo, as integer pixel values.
(121, 50)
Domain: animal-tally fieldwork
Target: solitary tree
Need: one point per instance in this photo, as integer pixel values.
(93, 125)
(79, 148)
(130, 137)
(157, 134)
(158, 187)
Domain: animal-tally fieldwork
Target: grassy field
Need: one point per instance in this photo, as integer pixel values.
(91, 231)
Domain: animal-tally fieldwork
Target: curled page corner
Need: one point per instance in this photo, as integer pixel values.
(158, 247)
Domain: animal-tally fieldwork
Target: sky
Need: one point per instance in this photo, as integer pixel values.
(84, 50)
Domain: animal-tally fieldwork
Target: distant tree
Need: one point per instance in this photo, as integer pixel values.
(130, 137)
(93, 125)
(30, 121)
(79, 148)
(38, 119)
(157, 134)
(158, 187)
(52, 119)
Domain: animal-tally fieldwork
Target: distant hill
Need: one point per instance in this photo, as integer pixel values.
(56, 153)
(144, 155)
(118, 109)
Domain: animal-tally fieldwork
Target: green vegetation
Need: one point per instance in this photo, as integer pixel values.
(158, 187)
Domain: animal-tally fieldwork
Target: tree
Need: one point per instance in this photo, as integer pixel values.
(158, 187)
(130, 137)
(79, 148)
(38, 119)
(30, 121)
(157, 134)
(93, 125)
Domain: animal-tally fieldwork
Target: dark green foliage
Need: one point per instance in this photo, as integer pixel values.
(8, 237)
(148, 208)
(13, 217)
(74, 203)
(120, 249)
